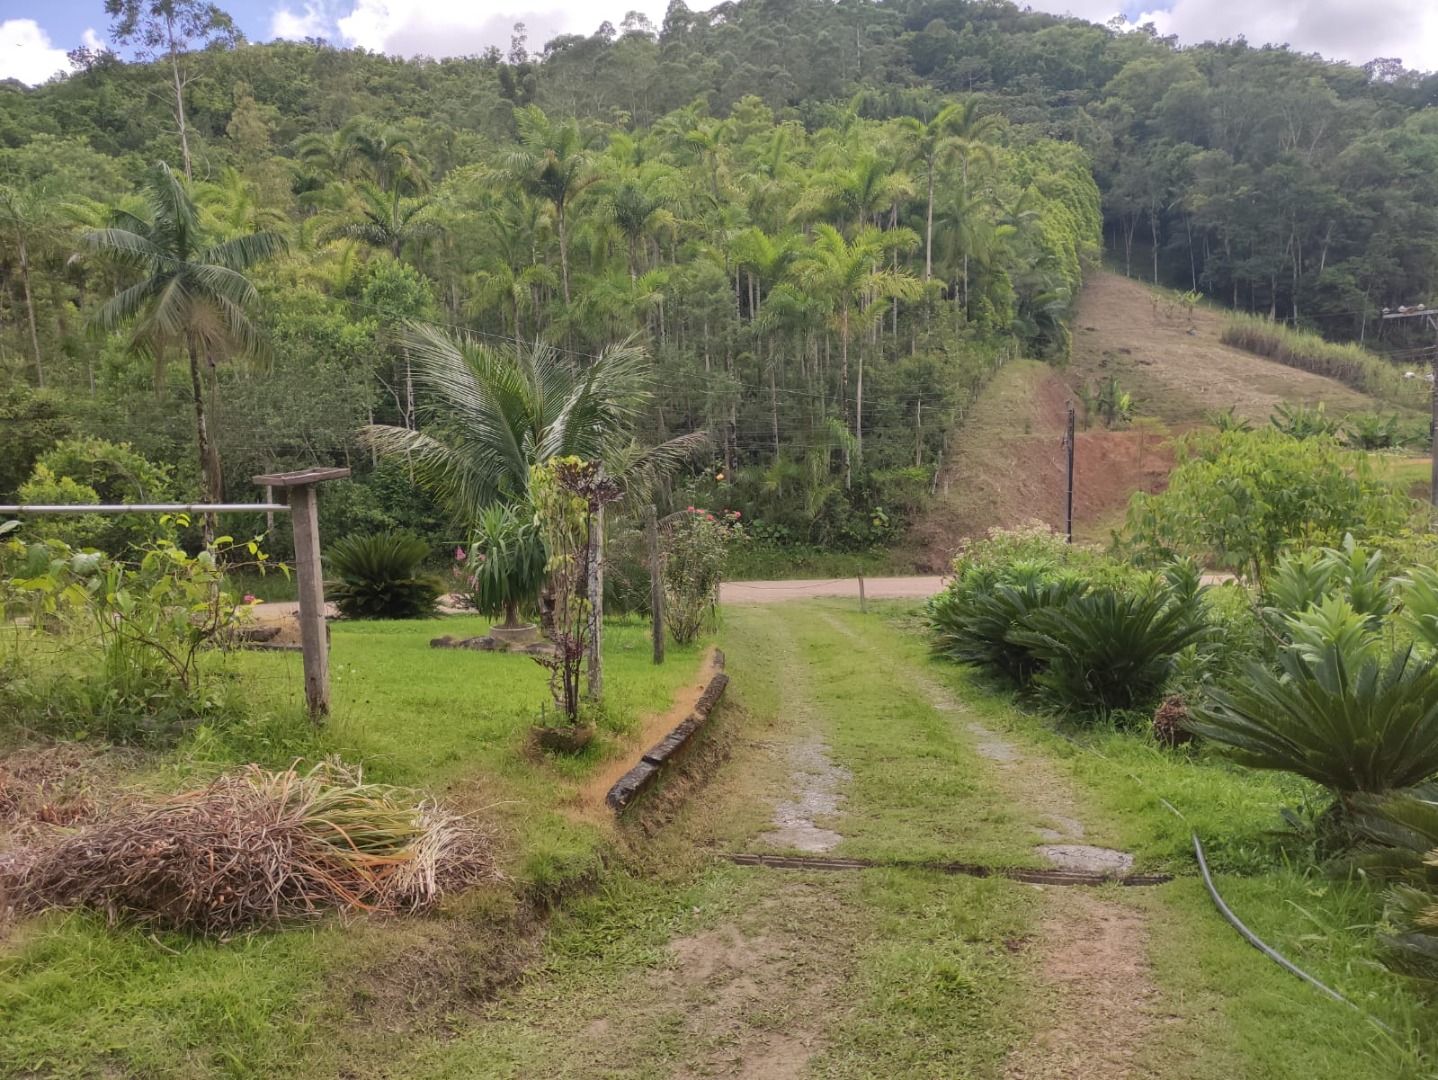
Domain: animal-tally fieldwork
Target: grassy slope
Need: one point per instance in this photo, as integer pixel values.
(1125, 328)
(78, 1000)
(1006, 465)
(913, 972)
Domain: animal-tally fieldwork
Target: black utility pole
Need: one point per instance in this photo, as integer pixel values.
(1069, 496)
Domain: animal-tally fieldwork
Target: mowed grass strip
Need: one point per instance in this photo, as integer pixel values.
(1233, 1012)
(80, 999)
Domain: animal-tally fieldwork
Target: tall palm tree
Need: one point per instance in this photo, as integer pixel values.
(190, 293)
(24, 215)
(493, 413)
(552, 162)
(933, 146)
(850, 275)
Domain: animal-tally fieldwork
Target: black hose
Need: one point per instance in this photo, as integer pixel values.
(1267, 950)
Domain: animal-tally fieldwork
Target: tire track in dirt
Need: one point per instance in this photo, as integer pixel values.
(1092, 950)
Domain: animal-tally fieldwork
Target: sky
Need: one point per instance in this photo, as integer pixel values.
(35, 34)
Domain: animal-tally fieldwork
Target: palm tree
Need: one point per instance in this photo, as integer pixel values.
(851, 277)
(553, 163)
(636, 212)
(387, 220)
(933, 146)
(190, 293)
(494, 413)
(23, 214)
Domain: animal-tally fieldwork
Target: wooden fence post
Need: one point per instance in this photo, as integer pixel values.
(309, 579)
(596, 604)
(656, 583)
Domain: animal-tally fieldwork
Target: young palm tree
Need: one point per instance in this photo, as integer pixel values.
(493, 413)
(190, 293)
(387, 220)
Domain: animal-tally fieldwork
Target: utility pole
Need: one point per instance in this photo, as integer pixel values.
(1069, 490)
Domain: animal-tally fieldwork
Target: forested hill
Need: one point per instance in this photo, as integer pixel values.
(826, 223)
(1274, 180)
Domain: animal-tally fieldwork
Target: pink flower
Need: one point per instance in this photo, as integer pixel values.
(689, 509)
(459, 554)
(251, 598)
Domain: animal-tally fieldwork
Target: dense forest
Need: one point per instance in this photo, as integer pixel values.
(827, 223)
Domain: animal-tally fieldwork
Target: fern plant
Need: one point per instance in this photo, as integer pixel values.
(1102, 651)
(380, 577)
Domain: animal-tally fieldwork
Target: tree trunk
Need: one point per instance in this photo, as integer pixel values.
(30, 312)
(929, 229)
(208, 459)
(180, 110)
(563, 252)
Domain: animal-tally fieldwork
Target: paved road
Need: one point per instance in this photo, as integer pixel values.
(875, 588)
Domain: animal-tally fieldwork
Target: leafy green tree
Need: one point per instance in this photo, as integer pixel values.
(171, 29)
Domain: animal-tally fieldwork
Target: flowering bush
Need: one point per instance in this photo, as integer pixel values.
(697, 545)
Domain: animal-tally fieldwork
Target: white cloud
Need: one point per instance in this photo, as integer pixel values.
(1352, 30)
(414, 27)
(26, 53)
(312, 22)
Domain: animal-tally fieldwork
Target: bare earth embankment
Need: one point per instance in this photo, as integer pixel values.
(1006, 464)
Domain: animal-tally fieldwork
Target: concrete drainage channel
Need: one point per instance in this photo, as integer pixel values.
(662, 753)
(1025, 874)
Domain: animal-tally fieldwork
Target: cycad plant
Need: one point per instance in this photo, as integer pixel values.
(1335, 712)
(1401, 832)
(978, 628)
(381, 577)
(1102, 650)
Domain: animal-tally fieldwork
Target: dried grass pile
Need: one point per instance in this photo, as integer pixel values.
(256, 848)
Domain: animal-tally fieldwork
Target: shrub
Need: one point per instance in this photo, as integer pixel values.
(94, 470)
(1303, 422)
(696, 547)
(503, 570)
(1349, 364)
(1376, 431)
(979, 628)
(123, 645)
(379, 577)
(1101, 651)
(1240, 498)
(1334, 711)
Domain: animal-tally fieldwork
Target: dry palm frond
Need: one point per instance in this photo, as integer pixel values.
(259, 847)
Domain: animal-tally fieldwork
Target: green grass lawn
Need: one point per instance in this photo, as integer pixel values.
(77, 999)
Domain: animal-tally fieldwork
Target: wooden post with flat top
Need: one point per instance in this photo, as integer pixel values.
(299, 488)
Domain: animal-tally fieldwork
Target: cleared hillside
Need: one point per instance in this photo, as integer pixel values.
(1005, 466)
(1173, 363)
